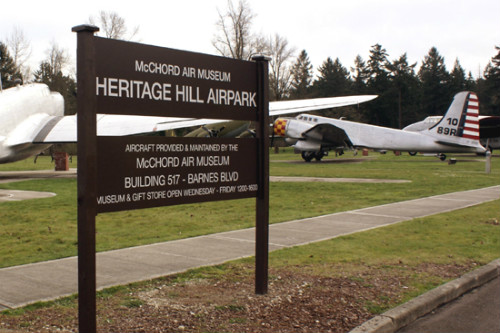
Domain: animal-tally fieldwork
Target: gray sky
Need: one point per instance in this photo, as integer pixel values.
(467, 30)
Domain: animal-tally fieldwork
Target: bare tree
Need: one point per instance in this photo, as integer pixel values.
(234, 38)
(57, 59)
(280, 67)
(113, 25)
(20, 49)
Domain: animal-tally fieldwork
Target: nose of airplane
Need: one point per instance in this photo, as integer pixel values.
(280, 126)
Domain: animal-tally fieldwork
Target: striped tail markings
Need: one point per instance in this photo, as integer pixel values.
(471, 124)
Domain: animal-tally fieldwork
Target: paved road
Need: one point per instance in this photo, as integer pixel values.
(477, 311)
(21, 285)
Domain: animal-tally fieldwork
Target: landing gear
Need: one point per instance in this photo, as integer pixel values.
(319, 155)
(442, 157)
(412, 153)
(309, 155)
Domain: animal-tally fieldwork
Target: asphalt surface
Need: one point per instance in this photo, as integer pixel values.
(463, 314)
(476, 311)
(25, 284)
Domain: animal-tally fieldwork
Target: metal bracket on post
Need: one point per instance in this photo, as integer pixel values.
(262, 214)
(87, 175)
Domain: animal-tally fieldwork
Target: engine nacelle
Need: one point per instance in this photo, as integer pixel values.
(291, 127)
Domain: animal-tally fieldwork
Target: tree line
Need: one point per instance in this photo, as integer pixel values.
(405, 94)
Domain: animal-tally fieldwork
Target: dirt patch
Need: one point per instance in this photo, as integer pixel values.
(296, 302)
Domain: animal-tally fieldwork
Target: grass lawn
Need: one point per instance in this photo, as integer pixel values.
(43, 229)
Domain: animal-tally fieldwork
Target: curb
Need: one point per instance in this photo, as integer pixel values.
(396, 318)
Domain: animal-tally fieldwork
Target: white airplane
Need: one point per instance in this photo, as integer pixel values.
(314, 136)
(32, 118)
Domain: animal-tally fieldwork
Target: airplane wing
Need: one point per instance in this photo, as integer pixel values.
(305, 105)
(63, 129)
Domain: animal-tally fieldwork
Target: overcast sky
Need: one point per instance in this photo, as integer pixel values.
(467, 30)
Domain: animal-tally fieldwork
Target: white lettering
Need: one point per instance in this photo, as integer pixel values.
(144, 181)
(157, 162)
(157, 68)
(231, 97)
(202, 178)
(111, 199)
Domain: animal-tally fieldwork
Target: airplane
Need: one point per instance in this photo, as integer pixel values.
(32, 118)
(314, 136)
(489, 129)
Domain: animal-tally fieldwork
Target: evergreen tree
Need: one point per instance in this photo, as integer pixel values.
(382, 110)
(470, 83)
(333, 80)
(361, 75)
(436, 94)
(378, 80)
(9, 73)
(458, 82)
(405, 87)
(490, 92)
(301, 76)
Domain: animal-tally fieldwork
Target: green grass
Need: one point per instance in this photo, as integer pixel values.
(42, 163)
(468, 237)
(464, 235)
(43, 229)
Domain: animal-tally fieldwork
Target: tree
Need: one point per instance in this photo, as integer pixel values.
(234, 39)
(434, 77)
(113, 25)
(378, 80)
(333, 79)
(21, 51)
(58, 58)
(9, 73)
(301, 76)
(382, 110)
(457, 80)
(404, 81)
(361, 75)
(279, 71)
(490, 91)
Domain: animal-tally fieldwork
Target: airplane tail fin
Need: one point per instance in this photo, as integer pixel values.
(460, 125)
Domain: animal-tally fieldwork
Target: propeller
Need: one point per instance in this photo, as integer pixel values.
(213, 133)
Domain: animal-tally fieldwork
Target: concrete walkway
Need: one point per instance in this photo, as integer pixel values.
(21, 285)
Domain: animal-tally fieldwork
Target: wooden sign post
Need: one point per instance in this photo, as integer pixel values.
(117, 77)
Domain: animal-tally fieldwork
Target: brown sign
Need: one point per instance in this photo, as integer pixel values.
(121, 173)
(140, 79)
(144, 172)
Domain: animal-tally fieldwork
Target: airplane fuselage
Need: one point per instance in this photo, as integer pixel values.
(384, 138)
